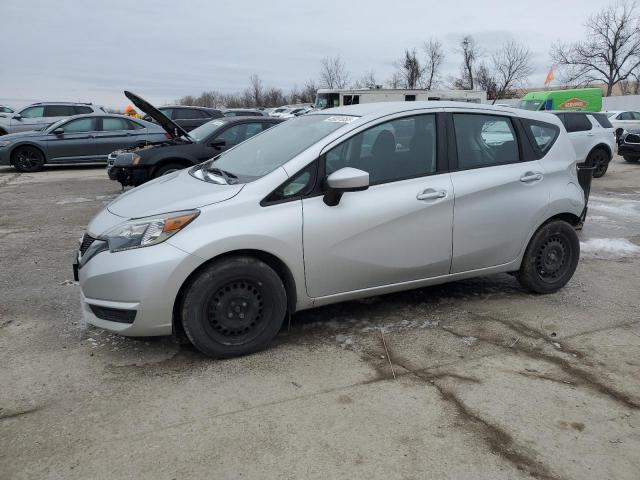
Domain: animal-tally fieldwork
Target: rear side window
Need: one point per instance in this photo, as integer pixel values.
(625, 116)
(485, 140)
(542, 135)
(59, 111)
(133, 125)
(186, 113)
(168, 112)
(577, 122)
(112, 124)
(81, 110)
(602, 119)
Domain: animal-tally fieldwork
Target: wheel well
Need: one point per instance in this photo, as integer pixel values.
(604, 147)
(13, 151)
(570, 218)
(274, 262)
(166, 161)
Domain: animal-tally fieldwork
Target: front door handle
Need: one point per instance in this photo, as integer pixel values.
(431, 194)
(531, 177)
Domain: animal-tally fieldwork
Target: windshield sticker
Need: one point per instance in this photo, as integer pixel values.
(340, 119)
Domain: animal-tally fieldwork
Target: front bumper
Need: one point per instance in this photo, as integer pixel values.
(629, 149)
(5, 157)
(145, 280)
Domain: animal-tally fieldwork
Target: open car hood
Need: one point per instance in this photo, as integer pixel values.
(165, 122)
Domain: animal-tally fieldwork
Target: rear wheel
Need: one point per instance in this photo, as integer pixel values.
(599, 159)
(167, 168)
(234, 307)
(27, 159)
(551, 258)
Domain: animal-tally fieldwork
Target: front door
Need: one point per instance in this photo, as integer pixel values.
(399, 229)
(499, 198)
(76, 144)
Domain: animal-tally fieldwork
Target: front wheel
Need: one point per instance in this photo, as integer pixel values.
(234, 307)
(599, 159)
(28, 159)
(551, 258)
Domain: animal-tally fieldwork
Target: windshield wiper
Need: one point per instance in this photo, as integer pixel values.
(229, 177)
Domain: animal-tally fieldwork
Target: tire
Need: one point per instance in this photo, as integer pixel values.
(167, 168)
(27, 159)
(551, 258)
(599, 158)
(233, 307)
(629, 159)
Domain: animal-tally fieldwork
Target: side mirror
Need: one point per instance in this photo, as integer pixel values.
(346, 179)
(58, 131)
(218, 143)
(17, 116)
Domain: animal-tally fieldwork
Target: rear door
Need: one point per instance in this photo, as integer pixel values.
(76, 144)
(396, 231)
(115, 133)
(498, 196)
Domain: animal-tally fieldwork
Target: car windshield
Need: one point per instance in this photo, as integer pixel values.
(530, 104)
(203, 131)
(263, 153)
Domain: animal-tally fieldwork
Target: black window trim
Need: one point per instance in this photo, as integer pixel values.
(310, 191)
(453, 147)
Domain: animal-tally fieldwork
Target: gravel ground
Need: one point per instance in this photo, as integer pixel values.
(483, 380)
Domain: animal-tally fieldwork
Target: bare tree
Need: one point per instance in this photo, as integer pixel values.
(511, 67)
(368, 80)
(610, 51)
(253, 95)
(470, 55)
(410, 70)
(486, 81)
(395, 81)
(333, 73)
(435, 58)
(308, 92)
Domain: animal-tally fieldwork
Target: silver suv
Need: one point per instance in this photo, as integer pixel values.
(39, 115)
(335, 205)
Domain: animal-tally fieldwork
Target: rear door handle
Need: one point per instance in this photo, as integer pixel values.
(589, 134)
(531, 177)
(431, 194)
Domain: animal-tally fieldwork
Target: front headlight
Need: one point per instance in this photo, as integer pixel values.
(144, 232)
(4, 143)
(135, 159)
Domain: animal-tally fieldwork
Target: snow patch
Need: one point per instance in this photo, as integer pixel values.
(608, 248)
(72, 200)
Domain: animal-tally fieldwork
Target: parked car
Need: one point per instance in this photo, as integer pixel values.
(79, 139)
(5, 109)
(623, 121)
(629, 145)
(295, 112)
(187, 117)
(39, 115)
(136, 165)
(243, 112)
(593, 138)
(277, 111)
(302, 216)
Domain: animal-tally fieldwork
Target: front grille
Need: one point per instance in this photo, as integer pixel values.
(632, 138)
(85, 243)
(113, 314)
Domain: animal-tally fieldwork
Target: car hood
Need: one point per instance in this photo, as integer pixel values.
(171, 127)
(170, 193)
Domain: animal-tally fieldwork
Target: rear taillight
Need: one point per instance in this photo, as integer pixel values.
(169, 137)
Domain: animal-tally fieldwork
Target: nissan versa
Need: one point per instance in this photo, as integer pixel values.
(335, 205)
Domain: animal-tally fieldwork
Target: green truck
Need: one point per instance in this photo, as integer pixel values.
(587, 99)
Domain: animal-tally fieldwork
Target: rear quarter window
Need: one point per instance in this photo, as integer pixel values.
(602, 119)
(541, 135)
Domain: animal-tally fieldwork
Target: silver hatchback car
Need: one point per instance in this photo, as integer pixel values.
(331, 206)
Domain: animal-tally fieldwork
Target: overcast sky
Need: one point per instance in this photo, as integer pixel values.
(91, 50)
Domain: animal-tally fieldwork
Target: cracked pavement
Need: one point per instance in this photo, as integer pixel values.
(490, 381)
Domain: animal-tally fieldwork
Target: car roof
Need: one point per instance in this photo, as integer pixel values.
(195, 107)
(62, 103)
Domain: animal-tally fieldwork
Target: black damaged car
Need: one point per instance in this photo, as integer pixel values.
(134, 166)
(629, 146)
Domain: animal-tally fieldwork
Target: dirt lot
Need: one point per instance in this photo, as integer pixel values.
(490, 381)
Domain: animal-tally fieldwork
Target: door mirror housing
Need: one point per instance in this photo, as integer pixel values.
(347, 179)
(58, 131)
(218, 143)
(17, 116)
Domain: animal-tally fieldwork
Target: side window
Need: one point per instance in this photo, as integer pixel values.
(543, 135)
(81, 110)
(297, 186)
(252, 129)
(394, 150)
(233, 135)
(32, 112)
(577, 122)
(59, 111)
(185, 113)
(636, 115)
(625, 116)
(133, 125)
(168, 112)
(112, 123)
(80, 125)
(485, 140)
(603, 120)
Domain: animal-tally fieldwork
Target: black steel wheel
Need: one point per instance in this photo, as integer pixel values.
(599, 159)
(551, 258)
(27, 159)
(233, 307)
